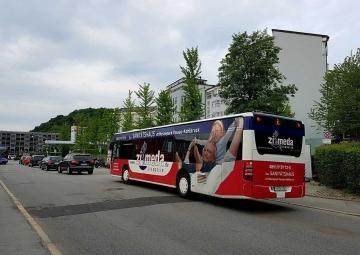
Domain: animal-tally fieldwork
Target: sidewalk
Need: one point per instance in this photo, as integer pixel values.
(314, 189)
(16, 235)
(322, 197)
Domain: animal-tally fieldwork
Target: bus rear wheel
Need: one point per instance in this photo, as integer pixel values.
(183, 185)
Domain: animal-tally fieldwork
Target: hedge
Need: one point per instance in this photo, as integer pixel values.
(338, 166)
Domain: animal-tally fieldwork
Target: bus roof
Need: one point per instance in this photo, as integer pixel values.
(204, 120)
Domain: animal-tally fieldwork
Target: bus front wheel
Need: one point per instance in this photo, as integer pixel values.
(183, 185)
(125, 175)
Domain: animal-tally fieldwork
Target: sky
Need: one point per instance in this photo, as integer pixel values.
(58, 56)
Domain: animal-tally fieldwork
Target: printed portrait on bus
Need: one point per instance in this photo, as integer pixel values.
(222, 144)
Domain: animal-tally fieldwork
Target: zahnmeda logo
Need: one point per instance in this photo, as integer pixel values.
(280, 143)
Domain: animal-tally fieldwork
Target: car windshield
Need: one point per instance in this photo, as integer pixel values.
(82, 157)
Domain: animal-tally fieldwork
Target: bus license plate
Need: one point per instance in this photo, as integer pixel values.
(279, 189)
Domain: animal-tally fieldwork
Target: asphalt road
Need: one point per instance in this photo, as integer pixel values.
(97, 214)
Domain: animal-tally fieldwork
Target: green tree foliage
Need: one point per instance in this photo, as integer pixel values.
(339, 106)
(338, 166)
(249, 79)
(192, 108)
(95, 128)
(146, 98)
(165, 108)
(127, 117)
(60, 124)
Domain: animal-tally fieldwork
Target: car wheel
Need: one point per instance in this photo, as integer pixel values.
(183, 185)
(91, 171)
(69, 170)
(59, 170)
(125, 175)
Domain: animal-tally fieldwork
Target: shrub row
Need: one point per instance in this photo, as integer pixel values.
(338, 166)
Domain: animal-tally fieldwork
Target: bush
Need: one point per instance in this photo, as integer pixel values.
(338, 166)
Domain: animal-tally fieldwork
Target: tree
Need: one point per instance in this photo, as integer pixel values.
(128, 115)
(146, 100)
(339, 107)
(191, 107)
(249, 79)
(165, 108)
(95, 129)
(108, 125)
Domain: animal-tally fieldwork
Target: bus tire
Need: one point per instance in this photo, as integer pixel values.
(183, 184)
(125, 175)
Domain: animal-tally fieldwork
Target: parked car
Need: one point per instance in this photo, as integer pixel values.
(50, 162)
(76, 162)
(35, 160)
(12, 157)
(3, 161)
(25, 160)
(21, 159)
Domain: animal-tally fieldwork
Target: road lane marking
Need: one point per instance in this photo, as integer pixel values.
(43, 236)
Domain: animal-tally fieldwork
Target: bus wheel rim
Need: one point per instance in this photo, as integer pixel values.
(183, 185)
(126, 175)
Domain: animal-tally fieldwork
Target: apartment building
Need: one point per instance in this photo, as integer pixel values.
(215, 105)
(18, 143)
(177, 93)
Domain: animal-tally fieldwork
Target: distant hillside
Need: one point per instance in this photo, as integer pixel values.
(97, 123)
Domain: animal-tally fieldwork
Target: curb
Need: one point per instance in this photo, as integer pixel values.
(45, 240)
(318, 208)
(334, 198)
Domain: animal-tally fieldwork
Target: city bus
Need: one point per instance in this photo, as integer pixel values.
(248, 155)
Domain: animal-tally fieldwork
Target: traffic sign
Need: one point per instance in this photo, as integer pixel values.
(327, 135)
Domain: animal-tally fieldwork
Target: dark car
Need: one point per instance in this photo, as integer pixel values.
(50, 162)
(35, 160)
(3, 161)
(76, 162)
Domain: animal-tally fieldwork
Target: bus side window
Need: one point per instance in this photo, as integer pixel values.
(169, 144)
(115, 148)
(128, 151)
(167, 149)
(181, 147)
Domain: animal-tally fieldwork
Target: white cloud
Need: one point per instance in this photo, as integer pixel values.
(90, 53)
(103, 37)
(25, 50)
(211, 63)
